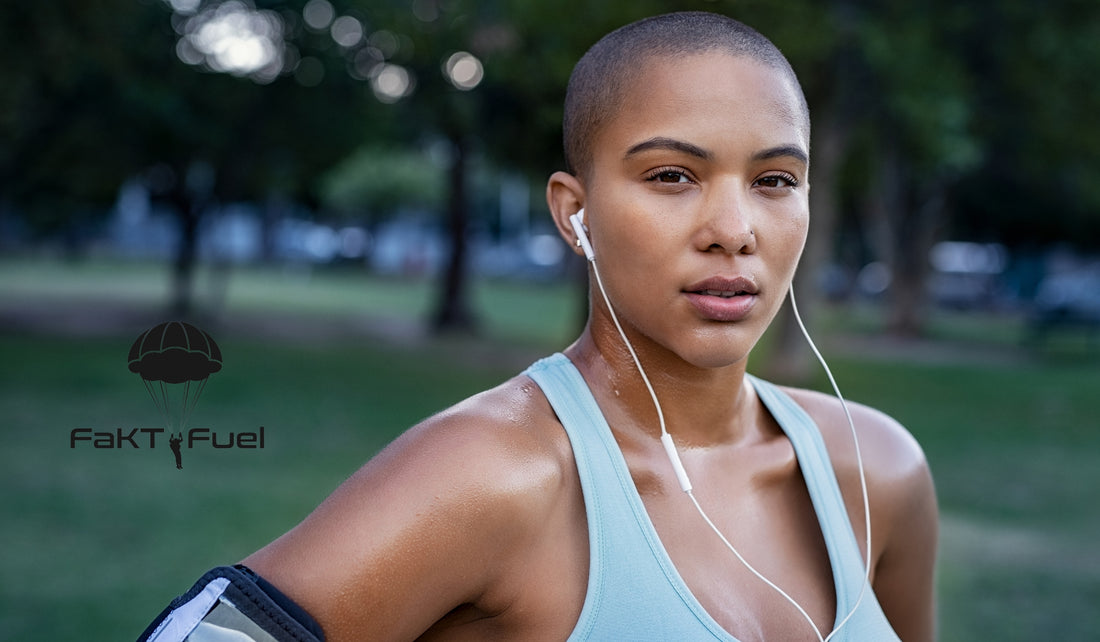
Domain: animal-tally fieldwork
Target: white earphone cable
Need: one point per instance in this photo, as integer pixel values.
(859, 461)
(633, 355)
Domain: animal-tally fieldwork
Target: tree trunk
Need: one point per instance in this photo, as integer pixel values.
(453, 311)
(907, 221)
(275, 209)
(915, 233)
(183, 267)
(190, 199)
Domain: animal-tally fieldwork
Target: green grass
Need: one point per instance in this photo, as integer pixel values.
(1016, 458)
(105, 537)
(97, 541)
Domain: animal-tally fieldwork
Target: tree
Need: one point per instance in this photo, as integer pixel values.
(932, 118)
(105, 96)
(1035, 65)
(56, 165)
(382, 178)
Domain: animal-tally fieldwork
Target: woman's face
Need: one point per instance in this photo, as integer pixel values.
(697, 204)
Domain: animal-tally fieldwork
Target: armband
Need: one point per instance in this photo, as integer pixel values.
(233, 604)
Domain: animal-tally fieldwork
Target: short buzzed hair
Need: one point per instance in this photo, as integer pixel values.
(612, 66)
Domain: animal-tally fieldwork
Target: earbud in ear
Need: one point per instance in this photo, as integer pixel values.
(582, 235)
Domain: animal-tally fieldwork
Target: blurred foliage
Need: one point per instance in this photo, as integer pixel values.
(964, 119)
(376, 179)
(101, 97)
(986, 96)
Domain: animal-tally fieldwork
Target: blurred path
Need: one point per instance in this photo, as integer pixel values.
(126, 320)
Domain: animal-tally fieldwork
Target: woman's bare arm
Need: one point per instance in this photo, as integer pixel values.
(435, 522)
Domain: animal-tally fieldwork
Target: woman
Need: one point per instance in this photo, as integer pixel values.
(548, 508)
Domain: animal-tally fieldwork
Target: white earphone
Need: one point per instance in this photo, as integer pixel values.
(582, 235)
(577, 221)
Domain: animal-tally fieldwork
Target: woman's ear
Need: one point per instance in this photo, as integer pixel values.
(565, 196)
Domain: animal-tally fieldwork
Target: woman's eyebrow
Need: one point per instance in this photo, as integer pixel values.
(661, 142)
(794, 151)
(672, 144)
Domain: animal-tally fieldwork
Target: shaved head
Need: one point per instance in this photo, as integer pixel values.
(615, 64)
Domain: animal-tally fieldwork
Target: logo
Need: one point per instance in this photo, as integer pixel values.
(174, 360)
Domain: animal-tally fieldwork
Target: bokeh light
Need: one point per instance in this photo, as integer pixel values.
(346, 31)
(385, 42)
(234, 38)
(318, 14)
(391, 83)
(184, 7)
(464, 70)
(364, 62)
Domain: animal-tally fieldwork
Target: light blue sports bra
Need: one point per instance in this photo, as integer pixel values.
(634, 591)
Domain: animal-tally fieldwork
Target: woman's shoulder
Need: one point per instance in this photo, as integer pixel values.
(899, 482)
(509, 434)
(887, 447)
(453, 503)
(501, 449)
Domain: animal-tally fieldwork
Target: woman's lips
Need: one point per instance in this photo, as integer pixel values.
(722, 298)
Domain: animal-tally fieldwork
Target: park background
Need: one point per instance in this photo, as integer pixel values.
(348, 196)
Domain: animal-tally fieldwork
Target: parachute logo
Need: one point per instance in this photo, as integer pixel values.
(175, 360)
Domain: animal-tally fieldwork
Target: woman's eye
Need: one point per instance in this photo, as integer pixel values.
(778, 180)
(669, 176)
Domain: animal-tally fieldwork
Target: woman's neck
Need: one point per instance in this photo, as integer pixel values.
(702, 407)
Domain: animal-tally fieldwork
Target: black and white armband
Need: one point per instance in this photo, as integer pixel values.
(233, 604)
